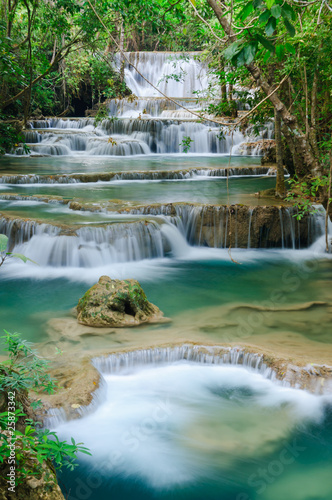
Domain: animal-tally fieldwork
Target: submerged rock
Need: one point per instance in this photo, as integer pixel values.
(116, 303)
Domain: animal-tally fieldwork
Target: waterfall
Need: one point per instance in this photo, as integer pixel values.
(124, 362)
(190, 173)
(190, 74)
(19, 231)
(95, 246)
(145, 123)
(177, 226)
(219, 226)
(125, 137)
(152, 107)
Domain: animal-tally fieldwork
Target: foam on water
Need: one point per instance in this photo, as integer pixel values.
(172, 424)
(156, 269)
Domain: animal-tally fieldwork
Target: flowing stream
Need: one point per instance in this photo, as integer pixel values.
(227, 267)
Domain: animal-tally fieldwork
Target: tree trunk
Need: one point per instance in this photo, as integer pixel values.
(230, 92)
(305, 161)
(121, 46)
(224, 92)
(280, 182)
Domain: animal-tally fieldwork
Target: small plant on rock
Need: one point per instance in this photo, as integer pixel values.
(32, 450)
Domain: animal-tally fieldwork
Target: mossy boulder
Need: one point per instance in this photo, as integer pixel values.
(116, 303)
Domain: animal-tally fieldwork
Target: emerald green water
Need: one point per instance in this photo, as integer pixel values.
(221, 437)
(178, 287)
(59, 213)
(200, 191)
(66, 164)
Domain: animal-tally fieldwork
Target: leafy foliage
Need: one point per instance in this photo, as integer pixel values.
(223, 108)
(185, 143)
(11, 138)
(4, 255)
(25, 370)
(304, 194)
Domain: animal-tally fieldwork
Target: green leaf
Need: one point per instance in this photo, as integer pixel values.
(232, 50)
(22, 257)
(184, 31)
(271, 26)
(3, 242)
(257, 3)
(266, 43)
(290, 48)
(264, 16)
(280, 52)
(289, 27)
(276, 11)
(249, 52)
(193, 2)
(287, 12)
(246, 11)
(239, 60)
(269, 3)
(85, 452)
(267, 56)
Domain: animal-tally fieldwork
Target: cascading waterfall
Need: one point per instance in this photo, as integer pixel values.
(124, 362)
(241, 227)
(148, 107)
(146, 123)
(190, 173)
(175, 227)
(191, 74)
(125, 137)
(171, 416)
(19, 231)
(93, 247)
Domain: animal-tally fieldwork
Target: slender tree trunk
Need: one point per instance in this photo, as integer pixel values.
(280, 182)
(10, 16)
(27, 104)
(312, 129)
(121, 46)
(62, 67)
(230, 92)
(305, 161)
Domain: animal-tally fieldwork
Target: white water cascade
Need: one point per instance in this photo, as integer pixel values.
(171, 416)
(153, 175)
(145, 123)
(189, 75)
(126, 137)
(169, 231)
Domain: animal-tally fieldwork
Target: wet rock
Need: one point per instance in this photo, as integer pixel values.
(116, 303)
(264, 147)
(269, 154)
(241, 226)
